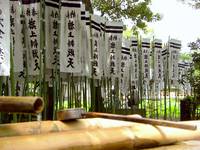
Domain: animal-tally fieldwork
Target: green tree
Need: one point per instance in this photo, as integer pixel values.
(194, 73)
(138, 11)
(186, 57)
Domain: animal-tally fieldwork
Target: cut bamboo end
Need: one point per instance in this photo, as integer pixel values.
(38, 105)
(25, 104)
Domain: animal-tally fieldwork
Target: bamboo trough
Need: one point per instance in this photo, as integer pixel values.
(83, 134)
(91, 134)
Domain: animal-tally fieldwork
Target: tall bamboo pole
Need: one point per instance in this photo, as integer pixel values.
(165, 88)
(169, 82)
(140, 71)
(1, 91)
(12, 76)
(85, 97)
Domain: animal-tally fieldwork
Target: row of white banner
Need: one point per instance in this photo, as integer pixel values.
(79, 43)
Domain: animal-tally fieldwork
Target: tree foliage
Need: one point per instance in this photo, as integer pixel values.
(185, 57)
(194, 72)
(138, 11)
(193, 3)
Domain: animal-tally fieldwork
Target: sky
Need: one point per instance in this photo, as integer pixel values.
(179, 21)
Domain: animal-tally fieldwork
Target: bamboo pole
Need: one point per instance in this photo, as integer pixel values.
(21, 104)
(123, 137)
(93, 140)
(36, 127)
(139, 120)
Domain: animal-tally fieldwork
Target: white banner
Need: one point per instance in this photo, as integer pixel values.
(69, 36)
(88, 46)
(20, 76)
(31, 10)
(4, 38)
(174, 49)
(51, 34)
(113, 38)
(146, 59)
(134, 62)
(165, 55)
(96, 60)
(125, 66)
(187, 85)
(158, 66)
(15, 36)
(103, 50)
(181, 70)
(85, 43)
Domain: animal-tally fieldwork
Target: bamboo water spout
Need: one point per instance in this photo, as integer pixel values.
(23, 104)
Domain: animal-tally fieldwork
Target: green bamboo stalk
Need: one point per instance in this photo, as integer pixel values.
(85, 93)
(169, 88)
(71, 92)
(80, 92)
(54, 100)
(165, 94)
(1, 91)
(176, 101)
(1, 83)
(92, 83)
(169, 100)
(68, 91)
(42, 73)
(60, 94)
(140, 72)
(93, 91)
(107, 93)
(116, 95)
(76, 95)
(12, 77)
(154, 82)
(57, 79)
(157, 99)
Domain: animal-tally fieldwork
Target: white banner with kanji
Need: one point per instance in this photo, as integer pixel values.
(174, 50)
(88, 66)
(146, 59)
(103, 50)
(113, 39)
(134, 62)
(51, 34)
(31, 10)
(85, 43)
(96, 60)
(125, 66)
(157, 60)
(4, 38)
(70, 32)
(16, 35)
